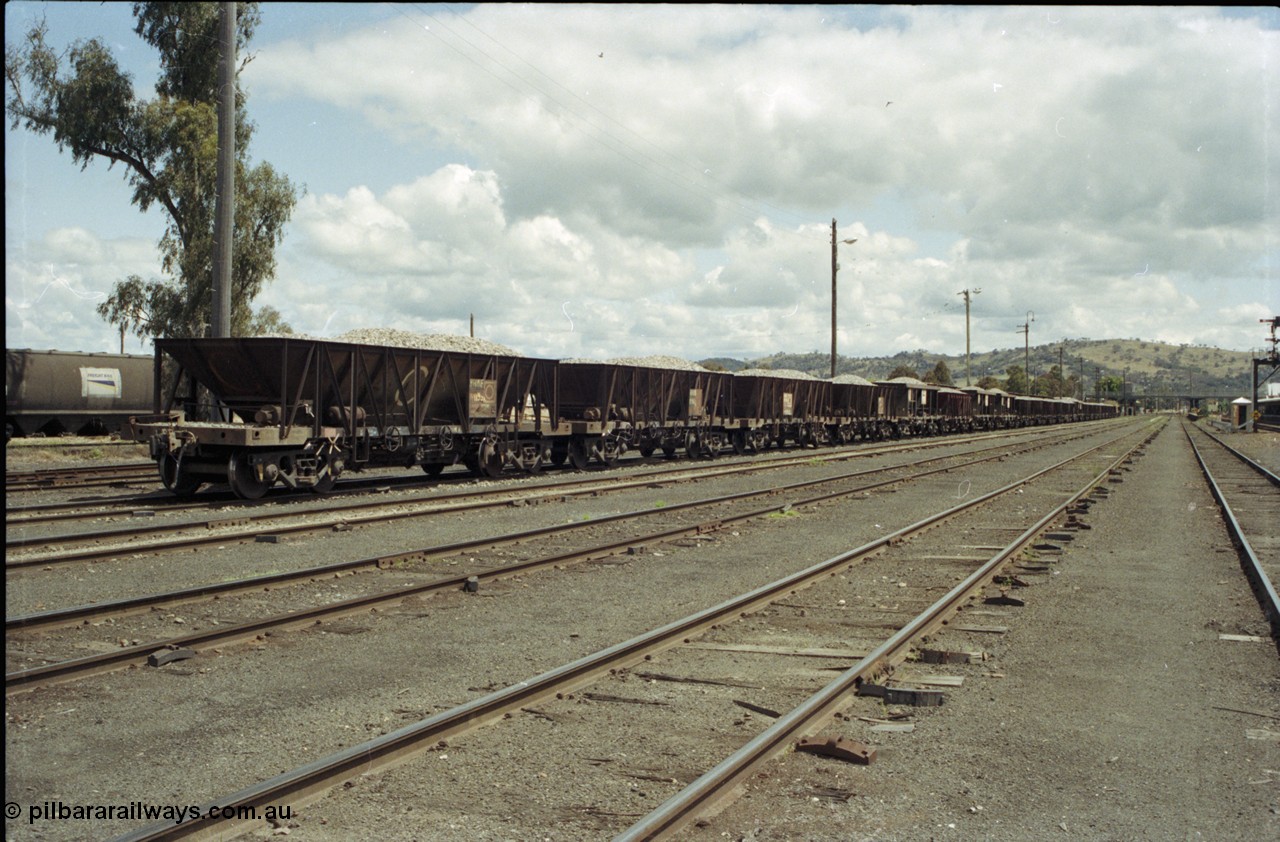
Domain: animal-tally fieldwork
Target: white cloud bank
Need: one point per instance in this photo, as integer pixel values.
(608, 180)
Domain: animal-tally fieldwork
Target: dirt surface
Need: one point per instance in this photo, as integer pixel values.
(1112, 709)
(1082, 724)
(34, 454)
(1261, 447)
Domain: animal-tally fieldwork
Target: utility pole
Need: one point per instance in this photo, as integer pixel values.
(1025, 330)
(1062, 375)
(224, 213)
(966, 294)
(835, 267)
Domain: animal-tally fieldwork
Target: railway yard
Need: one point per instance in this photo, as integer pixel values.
(1041, 633)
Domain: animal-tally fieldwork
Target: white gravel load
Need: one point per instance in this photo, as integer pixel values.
(656, 361)
(393, 338)
(786, 373)
(852, 380)
(390, 337)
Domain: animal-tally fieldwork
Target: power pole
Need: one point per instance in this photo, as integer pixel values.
(966, 295)
(835, 267)
(225, 203)
(1062, 376)
(1025, 330)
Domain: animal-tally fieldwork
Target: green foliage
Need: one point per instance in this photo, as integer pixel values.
(168, 148)
(1016, 380)
(1050, 384)
(903, 371)
(1110, 386)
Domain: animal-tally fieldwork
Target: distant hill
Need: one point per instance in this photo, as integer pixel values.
(1155, 368)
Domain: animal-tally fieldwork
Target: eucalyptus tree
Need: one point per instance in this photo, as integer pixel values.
(167, 148)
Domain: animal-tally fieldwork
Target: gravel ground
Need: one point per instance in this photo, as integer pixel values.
(228, 720)
(1117, 713)
(1263, 448)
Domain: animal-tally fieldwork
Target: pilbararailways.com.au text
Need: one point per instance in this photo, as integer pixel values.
(140, 811)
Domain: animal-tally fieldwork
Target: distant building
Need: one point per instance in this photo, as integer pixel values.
(1241, 412)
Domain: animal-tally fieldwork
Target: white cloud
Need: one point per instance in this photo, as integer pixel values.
(604, 180)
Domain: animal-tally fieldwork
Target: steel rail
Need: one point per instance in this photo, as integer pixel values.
(717, 785)
(1260, 469)
(46, 513)
(62, 671)
(224, 817)
(484, 498)
(79, 478)
(1261, 583)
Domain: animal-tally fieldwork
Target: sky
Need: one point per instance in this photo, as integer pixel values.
(612, 180)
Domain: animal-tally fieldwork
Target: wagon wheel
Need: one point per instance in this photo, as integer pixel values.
(433, 469)
(491, 460)
(668, 451)
(739, 441)
(559, 453)
(175, 479)
(243, 479)
(579, 454)
(652, 435)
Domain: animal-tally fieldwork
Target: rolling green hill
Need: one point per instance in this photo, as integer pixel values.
(1154, 368)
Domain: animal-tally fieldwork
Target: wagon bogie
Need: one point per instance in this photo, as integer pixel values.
(705, 442)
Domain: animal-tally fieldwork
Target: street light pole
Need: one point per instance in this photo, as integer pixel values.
(835, 267)
(966, 294)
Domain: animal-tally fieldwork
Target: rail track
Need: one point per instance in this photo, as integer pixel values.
(1047, 502)
(1249, 496)
(247, 522)
(704, 516)
(159, 501)
(90, 476)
